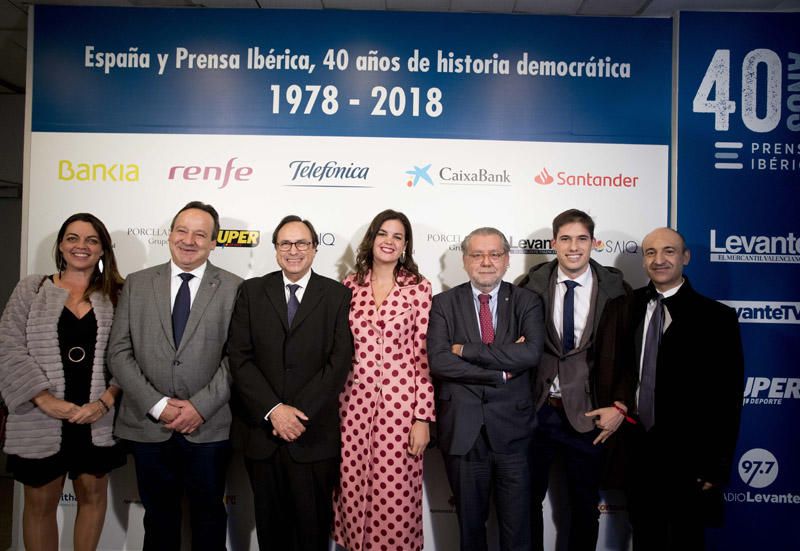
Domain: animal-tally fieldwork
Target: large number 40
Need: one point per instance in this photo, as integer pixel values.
(717, 79)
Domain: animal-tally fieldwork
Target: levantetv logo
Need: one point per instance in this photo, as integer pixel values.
(765, 312)
(772, 249)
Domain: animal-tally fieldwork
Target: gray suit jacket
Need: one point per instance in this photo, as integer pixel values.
(146, 365)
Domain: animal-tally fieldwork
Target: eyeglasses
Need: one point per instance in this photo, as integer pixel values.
(287, 245)
(494, 256)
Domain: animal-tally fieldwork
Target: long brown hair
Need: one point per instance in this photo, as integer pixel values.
(108, 281)
(365, 258)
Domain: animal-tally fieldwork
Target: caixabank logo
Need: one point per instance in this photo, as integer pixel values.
(770, 391)
(770, 249)
(584, 180)
(454, 175)
(238, 238)
(758, 468)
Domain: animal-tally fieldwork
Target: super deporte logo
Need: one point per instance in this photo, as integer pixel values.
(770, 391)
(238, 238)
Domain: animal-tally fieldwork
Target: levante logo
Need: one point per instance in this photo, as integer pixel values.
(770, 249)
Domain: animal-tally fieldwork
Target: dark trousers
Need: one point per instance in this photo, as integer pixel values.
(555, 438)
(293, 501)
(666, 506)
(165, 471)
(473, 477)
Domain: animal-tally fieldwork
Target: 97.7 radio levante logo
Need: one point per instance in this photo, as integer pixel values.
(758, 468)
(767, 104)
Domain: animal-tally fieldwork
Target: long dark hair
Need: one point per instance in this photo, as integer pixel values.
(108, 281)
(364, 257)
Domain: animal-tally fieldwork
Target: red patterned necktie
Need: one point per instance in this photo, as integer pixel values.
(485, 317)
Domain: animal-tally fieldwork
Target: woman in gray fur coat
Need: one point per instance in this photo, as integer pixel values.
(53, 336)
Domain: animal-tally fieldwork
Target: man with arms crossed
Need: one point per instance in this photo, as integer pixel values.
(167, 353)
(576, 375)
(291, 349)
(484, 342)
(687, 359)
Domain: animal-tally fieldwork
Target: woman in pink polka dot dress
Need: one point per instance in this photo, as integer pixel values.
(387, 403)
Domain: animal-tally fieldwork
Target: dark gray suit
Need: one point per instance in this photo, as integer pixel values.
(485, 423)
(147, 366)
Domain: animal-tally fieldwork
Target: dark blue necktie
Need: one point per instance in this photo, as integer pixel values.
(180, 310)
(568, 320)
(647, 382)
(293, 304)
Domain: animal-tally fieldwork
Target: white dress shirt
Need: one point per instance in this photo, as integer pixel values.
(581, 307)
(175, 284)
(303, 283)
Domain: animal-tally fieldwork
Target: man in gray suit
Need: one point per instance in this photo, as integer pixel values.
(167, 351)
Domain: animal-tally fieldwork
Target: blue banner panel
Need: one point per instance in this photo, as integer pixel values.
(335, 73)
(738, 194)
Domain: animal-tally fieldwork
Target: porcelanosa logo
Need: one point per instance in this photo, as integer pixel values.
(771, 249)
(153, 235)
(328, 174)
(586, 179)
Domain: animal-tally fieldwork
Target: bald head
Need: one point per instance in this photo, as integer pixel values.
(665, 255)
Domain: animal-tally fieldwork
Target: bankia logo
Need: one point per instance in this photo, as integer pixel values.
(751, 311)
(588, 179)
(77, 171)
(768, 249)
(419, 173)
(770, 391)
(328, 174)
(220, 175)
(238, 238)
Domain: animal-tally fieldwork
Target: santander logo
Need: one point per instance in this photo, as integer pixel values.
(543, 178)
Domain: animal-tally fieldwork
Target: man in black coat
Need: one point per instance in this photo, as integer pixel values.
(290, 350)
(687, 361)
(485, 340)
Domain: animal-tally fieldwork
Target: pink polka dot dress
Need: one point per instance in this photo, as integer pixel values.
(378, 504)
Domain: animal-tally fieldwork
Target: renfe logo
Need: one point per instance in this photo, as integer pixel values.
(212, 173)
(775, 249)
(765, 312)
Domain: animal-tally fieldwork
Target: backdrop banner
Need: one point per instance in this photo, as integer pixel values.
(738, 167)
(458, 120)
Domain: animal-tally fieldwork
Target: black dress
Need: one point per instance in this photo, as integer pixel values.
(76, 339)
